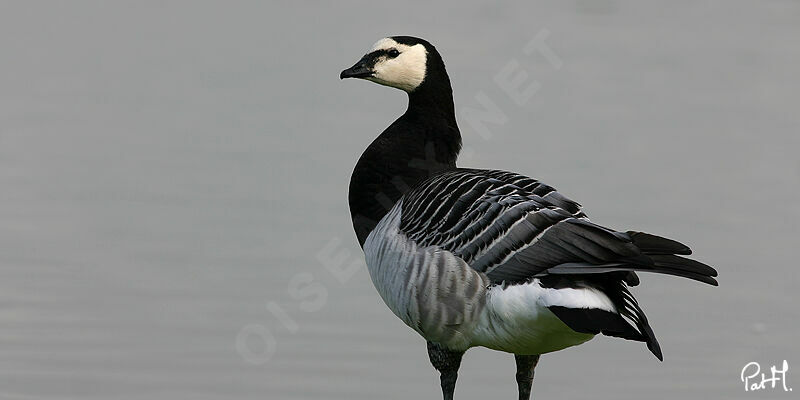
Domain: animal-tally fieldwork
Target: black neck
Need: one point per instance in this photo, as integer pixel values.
(433, 101)
(422, 142)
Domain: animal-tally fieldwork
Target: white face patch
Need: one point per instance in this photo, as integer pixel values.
(406, 71)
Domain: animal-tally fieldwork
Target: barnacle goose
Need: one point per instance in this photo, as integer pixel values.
(470, 257)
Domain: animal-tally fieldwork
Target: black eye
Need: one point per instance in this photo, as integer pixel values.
(393, 53)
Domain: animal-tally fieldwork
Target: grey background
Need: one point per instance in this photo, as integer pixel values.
(168, 169)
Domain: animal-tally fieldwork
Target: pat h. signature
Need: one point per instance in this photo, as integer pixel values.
(754, 379)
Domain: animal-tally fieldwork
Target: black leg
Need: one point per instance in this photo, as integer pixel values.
(447, 363)
(525, 366)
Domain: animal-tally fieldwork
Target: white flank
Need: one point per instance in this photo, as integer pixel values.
(513, 318)
(390, 258)
(433, 291)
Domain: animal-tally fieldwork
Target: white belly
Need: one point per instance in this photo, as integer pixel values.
(516, 319)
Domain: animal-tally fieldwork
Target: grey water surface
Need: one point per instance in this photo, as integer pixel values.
(173, 177)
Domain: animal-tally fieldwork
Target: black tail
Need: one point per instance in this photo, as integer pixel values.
(658, 254)
(661, 255)
(629, 323)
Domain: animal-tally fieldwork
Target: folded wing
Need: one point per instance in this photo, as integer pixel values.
(515, 228)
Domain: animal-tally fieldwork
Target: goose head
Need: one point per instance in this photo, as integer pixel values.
(402, 62)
